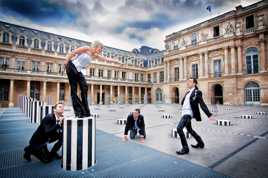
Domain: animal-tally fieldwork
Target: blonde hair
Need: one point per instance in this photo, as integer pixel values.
(97, 44)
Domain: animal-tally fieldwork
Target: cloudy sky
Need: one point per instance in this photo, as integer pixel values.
(124, 24)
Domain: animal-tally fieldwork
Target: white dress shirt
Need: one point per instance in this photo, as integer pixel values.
(81, 62)
(186, 107)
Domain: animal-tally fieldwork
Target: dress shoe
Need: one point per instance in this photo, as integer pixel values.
(79, 115)
(87, 115)
(27, 155)
(198, 145)
(182, 152)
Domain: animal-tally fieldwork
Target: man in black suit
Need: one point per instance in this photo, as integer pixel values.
(135, 123)
(50, 130)
(190, 110)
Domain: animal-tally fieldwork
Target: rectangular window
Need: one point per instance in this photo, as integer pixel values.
(194, 38)
(161, 79)
(35, 66)
(109, 74)
(4, 62)
(216, 31)
(49, 67)
(195, 71)
(149, 78)
(124, 75)
(217, 68)
(136, 77)
(142, 79)
(20, 65)
(155, 77)
(116, 74)
(177, 74)
(91, 72)
(100, 73)
(250, 22)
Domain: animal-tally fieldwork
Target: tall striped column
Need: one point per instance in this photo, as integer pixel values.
(79, 143)
(36, 112)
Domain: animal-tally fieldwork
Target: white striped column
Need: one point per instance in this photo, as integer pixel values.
(79, 143)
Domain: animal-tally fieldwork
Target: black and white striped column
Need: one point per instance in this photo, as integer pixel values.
(36, 112)
(79, 143)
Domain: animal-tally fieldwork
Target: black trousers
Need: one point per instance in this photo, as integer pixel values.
(133, 133)
(42, 153)
(186, 122)
(75, 77)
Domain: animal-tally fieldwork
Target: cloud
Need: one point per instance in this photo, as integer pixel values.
(124, 24)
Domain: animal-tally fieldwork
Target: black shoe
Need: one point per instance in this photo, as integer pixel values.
(79, 115)
(182, 152)
(198, 145)
(87, 115)
(27, 155)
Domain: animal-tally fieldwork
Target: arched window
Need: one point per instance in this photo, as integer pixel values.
(6, 37)
(49, 46)
(252, 60)
(22, 41)
(36, 44)
(158, 95)
(252, 93)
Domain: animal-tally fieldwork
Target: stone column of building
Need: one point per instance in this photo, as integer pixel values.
(100, 95)
(44, 91)
(133, 95)
(118, 94)
(168, 71)
(263, 60)
(181, 68)
(146, 94)
(139, 95)
(226, 61)
(126, 94)
(206, 65)
(185, 67)
(11, 93)
(111, 94)
(233, 62)
(92, 93)
(58, 92)
(201, 65)
(28, 88)
(240, 59)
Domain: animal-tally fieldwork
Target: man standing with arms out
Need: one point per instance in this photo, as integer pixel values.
(50, 130)
(190, 110)
(76, 64)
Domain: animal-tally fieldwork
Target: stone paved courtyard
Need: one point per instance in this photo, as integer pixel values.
(239, 150)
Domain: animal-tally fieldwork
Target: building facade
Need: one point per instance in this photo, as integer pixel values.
(228, 54)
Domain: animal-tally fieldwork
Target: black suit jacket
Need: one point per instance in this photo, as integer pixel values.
(195, 99)
(131, 123)
(47, 131)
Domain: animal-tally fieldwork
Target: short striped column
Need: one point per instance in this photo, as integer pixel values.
(167, 116)
(121, 121)
(29, 107)
(224, 122)
(246, 116)
(79, 143)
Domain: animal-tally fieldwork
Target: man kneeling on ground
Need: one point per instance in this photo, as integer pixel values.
(135, 123)
(50, 130)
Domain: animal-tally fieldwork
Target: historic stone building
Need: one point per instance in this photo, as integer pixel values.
(228, 54)
(31, 63)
